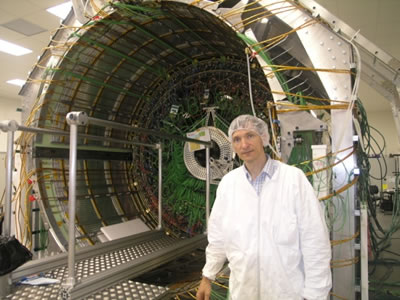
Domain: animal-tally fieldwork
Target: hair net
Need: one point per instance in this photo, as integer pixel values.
(249, 122)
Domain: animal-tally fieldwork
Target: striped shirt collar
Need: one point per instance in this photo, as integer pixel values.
(269, 169)
(267, 172)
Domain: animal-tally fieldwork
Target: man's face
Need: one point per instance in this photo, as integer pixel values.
(248, 145)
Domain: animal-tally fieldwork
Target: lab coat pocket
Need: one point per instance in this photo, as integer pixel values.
(286, 237)
(285, 232)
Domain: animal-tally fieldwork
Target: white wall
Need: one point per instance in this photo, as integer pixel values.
(383, 121)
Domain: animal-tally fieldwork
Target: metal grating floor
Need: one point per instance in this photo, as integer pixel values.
(129, 290)
(97, 264)
(124, 290)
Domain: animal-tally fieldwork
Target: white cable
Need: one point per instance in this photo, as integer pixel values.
(354, 91)
(273, 133)
(273, 150)
(249, 76)
(79, 11)
(85, 8)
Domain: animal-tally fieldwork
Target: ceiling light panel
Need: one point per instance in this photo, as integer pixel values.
(13, 49)
(61, 10)
(18, 82)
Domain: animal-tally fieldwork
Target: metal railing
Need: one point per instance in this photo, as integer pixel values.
(76, 119)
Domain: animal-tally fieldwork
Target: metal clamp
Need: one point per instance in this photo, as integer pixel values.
(9, 125)
(77, 118)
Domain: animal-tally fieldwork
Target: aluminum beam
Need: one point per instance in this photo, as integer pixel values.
(99, 154)
(158, 133)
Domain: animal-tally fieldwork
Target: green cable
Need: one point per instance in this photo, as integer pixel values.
(158, 72)
(96, 82)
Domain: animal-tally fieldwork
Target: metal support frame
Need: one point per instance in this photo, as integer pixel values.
(80, 118)
(75, 119)
(159, 147)
(10, 127)
(158, 133)
(364, 250)
(81, 135)
(208, 175)
(105, 123)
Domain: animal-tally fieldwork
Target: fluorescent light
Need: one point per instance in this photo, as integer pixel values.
(18, 82)
(61, 10)
(13, 49)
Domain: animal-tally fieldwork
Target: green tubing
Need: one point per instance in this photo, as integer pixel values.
(137, 63)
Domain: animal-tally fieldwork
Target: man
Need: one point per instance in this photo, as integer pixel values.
(267, 222)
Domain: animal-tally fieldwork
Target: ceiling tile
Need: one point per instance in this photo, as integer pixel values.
(44, 19)
(34, 43)
(11, 36)
(24, 27)
(6, 16)
(43, 38)
(47, 3)
(19, 8)
(9, 92)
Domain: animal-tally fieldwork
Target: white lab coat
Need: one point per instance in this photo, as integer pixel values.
(277, 244)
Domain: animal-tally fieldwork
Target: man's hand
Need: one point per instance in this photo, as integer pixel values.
(204, 291)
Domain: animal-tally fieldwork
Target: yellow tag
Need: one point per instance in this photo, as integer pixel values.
(202, 134)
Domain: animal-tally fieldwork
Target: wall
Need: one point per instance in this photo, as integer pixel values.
(385, 165)
(383, 121)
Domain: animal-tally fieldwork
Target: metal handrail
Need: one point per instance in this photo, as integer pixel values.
(75, 119)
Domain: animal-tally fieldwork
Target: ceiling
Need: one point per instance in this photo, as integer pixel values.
(377, 20)
(13, 67)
